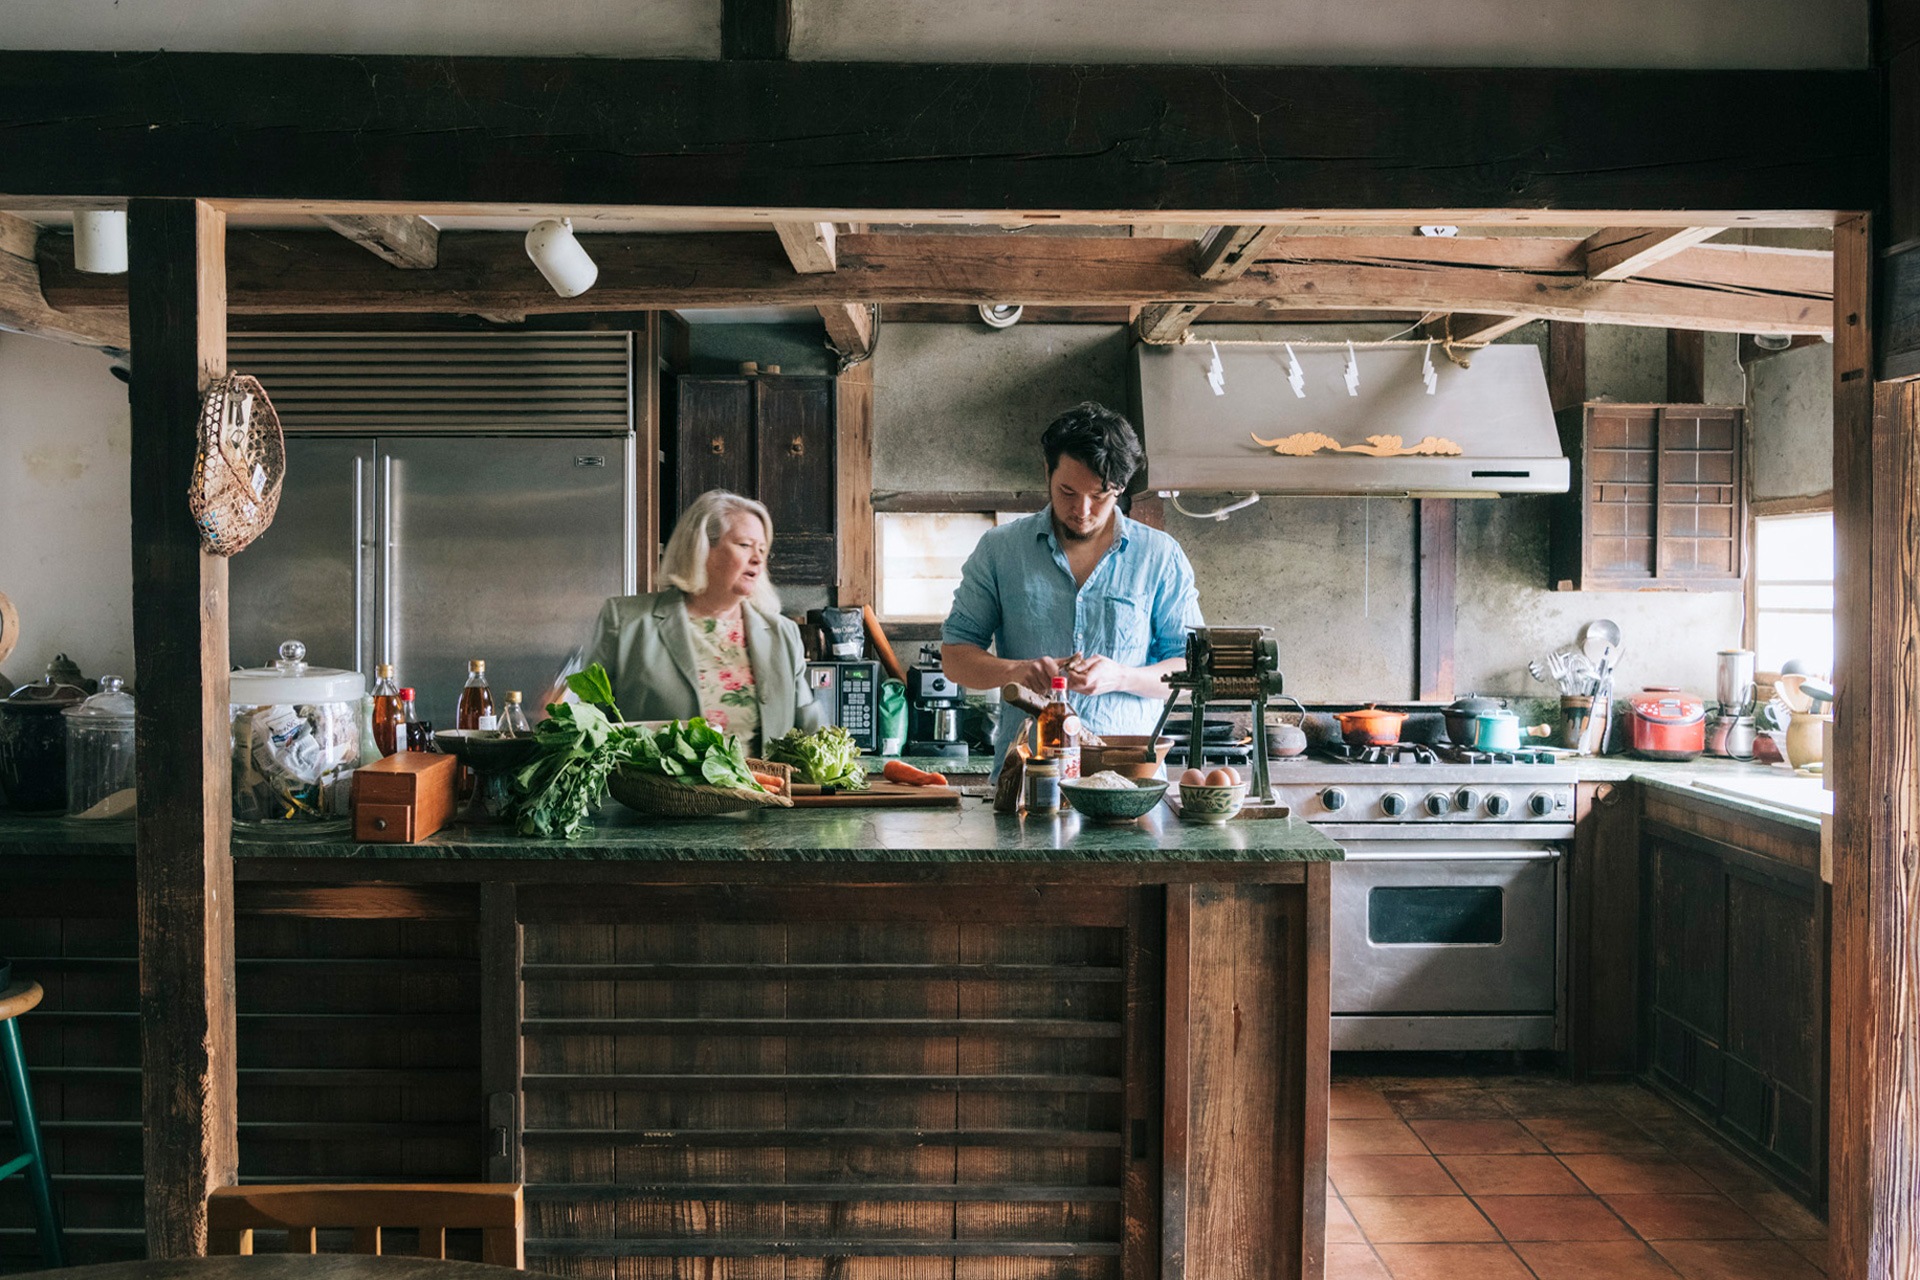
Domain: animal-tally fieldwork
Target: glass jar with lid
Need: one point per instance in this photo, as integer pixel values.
(100, 753)
(296, 738)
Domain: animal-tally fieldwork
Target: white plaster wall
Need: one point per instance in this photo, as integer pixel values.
(602, 28)
(1544, 33)
(66, 554)
(1793, 423)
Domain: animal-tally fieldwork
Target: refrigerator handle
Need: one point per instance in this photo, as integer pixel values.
(386, 559)
(359, 565)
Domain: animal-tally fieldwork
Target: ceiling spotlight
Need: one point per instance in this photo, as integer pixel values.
(100, 241)
(1439, 231)
(1000, 315)
(553, 248)
(1772, 341)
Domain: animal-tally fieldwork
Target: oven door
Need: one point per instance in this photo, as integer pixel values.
(1446, 945)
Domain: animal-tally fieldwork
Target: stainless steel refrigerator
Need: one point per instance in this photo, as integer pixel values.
(425, 550)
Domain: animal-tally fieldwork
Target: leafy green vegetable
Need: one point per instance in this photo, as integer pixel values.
(826, 757)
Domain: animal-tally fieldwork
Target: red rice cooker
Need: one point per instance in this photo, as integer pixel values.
(1668, 724)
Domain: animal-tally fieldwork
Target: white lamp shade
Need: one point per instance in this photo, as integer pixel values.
(100, 241)
(561, 260)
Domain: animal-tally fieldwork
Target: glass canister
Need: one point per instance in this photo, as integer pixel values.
(33, 748)
(100, 753)
(296, 738)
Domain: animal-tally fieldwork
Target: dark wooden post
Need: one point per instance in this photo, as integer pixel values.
(177, 317)
(1874, 1139)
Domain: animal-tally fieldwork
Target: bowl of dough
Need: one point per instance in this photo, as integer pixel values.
(1110, 799)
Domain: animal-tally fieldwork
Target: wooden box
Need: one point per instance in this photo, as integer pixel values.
(405, 797)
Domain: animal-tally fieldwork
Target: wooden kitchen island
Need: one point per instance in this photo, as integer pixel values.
(909, 1043)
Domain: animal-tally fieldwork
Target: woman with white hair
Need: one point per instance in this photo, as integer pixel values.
(713, 642)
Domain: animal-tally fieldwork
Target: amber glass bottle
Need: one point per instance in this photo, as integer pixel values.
(1058, 732)
(386, 710)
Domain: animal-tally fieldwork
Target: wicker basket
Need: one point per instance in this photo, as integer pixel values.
(666, 798)
(239, 465)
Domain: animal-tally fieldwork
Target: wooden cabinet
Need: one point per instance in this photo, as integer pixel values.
(1734, 981)
(1603, 931)
(1657, 501)
(769, 437)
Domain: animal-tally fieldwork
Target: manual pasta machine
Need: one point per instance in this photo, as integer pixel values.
(1229, 664)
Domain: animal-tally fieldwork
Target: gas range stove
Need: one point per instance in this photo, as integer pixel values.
(1418, 786)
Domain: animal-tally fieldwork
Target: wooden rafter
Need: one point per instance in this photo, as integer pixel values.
(1619, 253)
(488, 272)
(809, 246)
(401, 239)
(24, 309)
(1224, 253)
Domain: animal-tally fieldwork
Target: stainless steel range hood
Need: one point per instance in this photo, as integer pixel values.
(1496, 413)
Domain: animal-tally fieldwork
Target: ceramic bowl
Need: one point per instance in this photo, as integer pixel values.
(1211, 804)
(1111, 806)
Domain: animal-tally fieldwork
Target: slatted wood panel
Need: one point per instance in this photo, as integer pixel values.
(877, 1090)
(358, 1043)
(1700, 529)
(1622, 460)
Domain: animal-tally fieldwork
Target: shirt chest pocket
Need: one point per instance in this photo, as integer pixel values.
(1119, 629)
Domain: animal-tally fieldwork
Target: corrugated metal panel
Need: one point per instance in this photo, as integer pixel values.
(438, 383)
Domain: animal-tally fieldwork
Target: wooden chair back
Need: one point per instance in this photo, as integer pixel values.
(234, 1213)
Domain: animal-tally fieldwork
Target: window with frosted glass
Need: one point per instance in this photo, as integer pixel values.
(1793, 591)
(921, 553)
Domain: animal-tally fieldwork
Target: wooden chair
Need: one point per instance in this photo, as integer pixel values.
(15, 1000)
(233, 1214)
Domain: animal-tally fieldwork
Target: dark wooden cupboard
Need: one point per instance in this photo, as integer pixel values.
(1734, 981)
(1657, 501)
(770, 437)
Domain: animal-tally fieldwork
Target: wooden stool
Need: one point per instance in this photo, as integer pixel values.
(14, 1001)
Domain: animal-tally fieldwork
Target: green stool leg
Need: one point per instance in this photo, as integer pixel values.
(28, 1127)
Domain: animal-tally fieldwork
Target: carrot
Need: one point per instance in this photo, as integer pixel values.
(771, 781)
(902, 772)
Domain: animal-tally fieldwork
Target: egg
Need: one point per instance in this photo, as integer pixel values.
(1193, 778)
(1221, 778)
(1233, 773)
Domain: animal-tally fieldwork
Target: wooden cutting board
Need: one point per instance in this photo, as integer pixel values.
(879, 794)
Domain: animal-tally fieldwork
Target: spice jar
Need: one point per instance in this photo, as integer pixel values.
(1043, 788)
(100, 753)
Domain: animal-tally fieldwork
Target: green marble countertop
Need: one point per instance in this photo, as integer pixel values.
(971, 833)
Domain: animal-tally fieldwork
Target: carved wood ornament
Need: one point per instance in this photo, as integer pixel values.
(1306, 443)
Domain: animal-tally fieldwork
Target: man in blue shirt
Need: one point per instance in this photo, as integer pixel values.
(1077, 578)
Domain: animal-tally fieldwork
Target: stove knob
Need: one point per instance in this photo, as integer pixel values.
(1393, 804)
(1498, 804)
(1467, 800)
(1439, 803)
(1540, 804)
(1333, 799)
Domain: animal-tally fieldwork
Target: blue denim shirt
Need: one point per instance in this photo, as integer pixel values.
(1018, 597)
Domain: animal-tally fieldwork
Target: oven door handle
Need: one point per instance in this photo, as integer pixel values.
(1526, 855)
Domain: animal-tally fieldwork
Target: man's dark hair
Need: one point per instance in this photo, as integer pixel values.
(1099, 439)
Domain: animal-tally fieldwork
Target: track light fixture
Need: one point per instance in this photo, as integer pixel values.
(566, 266)
(100, 241)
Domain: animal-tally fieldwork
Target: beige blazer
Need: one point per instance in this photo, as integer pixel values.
(646, 645)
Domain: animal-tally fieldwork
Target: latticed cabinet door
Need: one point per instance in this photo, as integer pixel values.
(1658, 500)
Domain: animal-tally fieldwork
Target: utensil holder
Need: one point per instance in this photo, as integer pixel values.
(1575, 710)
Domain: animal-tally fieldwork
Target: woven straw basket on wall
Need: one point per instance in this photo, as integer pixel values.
(239, 465)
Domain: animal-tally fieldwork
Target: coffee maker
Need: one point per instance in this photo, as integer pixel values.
(933, 709)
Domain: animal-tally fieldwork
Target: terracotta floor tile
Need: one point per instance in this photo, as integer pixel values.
(1634, 1100)
(1512, 1176)
(1419, 1219)
(1737, 1260)
(1445, 1104)
(1341, 1228)
(1390, 1176)
(1371, 1138)
(1474, 1137)
(1686, 1217)
(1814, 1251)
(1453, 1262)
(1781, 1214)
(1551, 1100)
(1594, 1260)
(1727, 1172)
(1352, 1100)
(1354, 1262)
(1607, 1174)
(1553, 1218)
(1592, 1131)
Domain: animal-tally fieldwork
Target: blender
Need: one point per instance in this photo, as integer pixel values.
(1731, 732)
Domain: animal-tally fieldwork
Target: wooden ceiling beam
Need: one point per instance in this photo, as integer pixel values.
(24, 308)
(487, 272)
(812, 249)
(1224, 253)
(809, 246)
(1471, 329)
(849, 327)
(1168, 143)
(1620, 253)
(399, 239)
